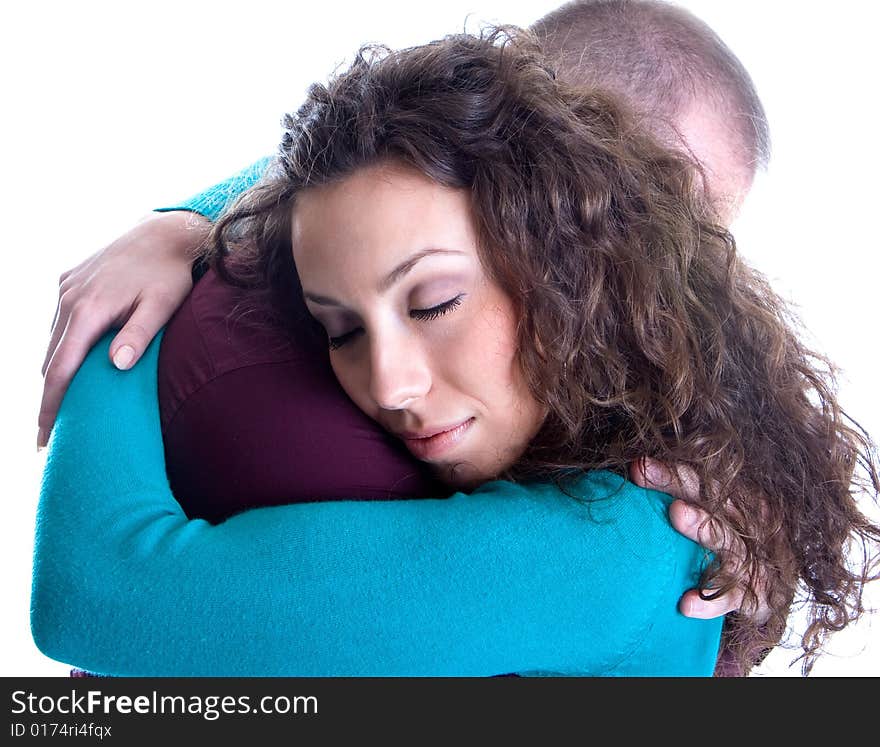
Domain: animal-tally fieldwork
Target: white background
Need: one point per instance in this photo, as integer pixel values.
(111, 109)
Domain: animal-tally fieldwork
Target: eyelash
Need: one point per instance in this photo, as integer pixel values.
(426, 315)
(423, 315)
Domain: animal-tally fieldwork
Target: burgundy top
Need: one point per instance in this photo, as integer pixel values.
(252, 416)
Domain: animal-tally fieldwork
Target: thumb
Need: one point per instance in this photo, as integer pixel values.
(136, 335)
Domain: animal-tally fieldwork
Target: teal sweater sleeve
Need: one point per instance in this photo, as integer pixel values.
(213, 201)
(511, 578)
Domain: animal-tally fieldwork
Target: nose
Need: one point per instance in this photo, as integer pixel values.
(400, 373)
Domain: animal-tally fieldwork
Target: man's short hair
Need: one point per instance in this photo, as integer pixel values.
(663, 60)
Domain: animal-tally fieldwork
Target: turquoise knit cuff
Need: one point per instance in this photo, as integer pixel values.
(215, 200)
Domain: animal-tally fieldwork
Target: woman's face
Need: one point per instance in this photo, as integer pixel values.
(420, 338)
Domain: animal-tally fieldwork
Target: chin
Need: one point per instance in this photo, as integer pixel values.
(465, 476)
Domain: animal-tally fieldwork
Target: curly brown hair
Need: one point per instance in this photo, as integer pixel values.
(640, 328)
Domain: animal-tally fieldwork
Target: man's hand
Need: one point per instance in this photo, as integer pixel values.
(136, 283)
(687, 519)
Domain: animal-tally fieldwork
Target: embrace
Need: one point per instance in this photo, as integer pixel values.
(453, 351)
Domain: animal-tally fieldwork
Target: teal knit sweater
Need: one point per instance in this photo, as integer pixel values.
(511, 578)
(213, 201)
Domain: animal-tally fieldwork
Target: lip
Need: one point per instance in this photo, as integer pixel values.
(431, 444)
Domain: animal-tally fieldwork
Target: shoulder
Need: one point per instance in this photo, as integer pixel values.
(218, 330)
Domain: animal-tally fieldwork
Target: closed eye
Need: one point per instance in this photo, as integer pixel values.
(436, 311)
(423, 315)
(339, 341)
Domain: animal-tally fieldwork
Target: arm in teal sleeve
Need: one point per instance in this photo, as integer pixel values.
(510, 578)
(213, 201)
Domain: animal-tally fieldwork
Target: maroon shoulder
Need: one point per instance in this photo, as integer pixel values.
(252, 415)
(217, 329)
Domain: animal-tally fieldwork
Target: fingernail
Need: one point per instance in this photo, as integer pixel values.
(42, 439)
(123, 358)
(694, 607)
(689, 516)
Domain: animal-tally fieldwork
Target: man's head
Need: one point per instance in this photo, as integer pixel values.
(676, 73)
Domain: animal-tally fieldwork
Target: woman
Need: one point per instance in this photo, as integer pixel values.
(586, 316)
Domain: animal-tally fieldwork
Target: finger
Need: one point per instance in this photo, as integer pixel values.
(59, 323)
(680, 481)
(650, 474)
(54, 337)
(147, 318)
(66, 274)
(686, 484)
(655, 475)
(696, 525)
(693, 605)
(79, 336)
(686, 519)
(637, 472)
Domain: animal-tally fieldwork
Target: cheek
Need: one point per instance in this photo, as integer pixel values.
(492, 360)
(501, 338)
(515, 406)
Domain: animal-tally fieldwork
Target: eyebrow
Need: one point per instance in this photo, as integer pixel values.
(390, 279)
